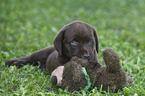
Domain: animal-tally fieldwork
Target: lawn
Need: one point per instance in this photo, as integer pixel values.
(29, 25)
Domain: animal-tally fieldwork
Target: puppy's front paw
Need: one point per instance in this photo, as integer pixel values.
(9, 62)
(17, 62)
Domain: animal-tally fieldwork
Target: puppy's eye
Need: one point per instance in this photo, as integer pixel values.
(91, 41)
(74, 43)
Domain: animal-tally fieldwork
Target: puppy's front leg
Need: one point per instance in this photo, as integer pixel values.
(37, 57)
(19, 62)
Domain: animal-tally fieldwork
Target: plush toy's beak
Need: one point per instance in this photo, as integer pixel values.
(56, 76)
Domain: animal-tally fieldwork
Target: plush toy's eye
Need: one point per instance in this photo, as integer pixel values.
(74, 43)
(54, 80)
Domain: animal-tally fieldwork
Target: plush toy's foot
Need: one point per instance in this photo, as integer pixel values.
(130, 80)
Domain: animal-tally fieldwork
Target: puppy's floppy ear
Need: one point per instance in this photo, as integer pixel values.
(58, 42)
(96, 39)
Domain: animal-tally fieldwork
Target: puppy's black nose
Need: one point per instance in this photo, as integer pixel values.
(86, 55)
(54, 80)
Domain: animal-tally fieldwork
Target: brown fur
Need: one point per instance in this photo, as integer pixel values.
(80, 33)
(73, 78)
(112, 76)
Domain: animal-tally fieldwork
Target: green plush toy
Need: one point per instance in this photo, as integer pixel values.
(77, 74)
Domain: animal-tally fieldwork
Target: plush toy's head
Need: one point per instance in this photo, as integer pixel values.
(56, 76)
(72, 76)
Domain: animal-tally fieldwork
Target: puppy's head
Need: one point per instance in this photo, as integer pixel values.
(77, 39)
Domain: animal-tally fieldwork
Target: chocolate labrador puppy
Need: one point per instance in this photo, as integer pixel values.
(75, 39)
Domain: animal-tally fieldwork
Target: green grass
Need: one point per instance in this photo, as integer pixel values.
(29, 25)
